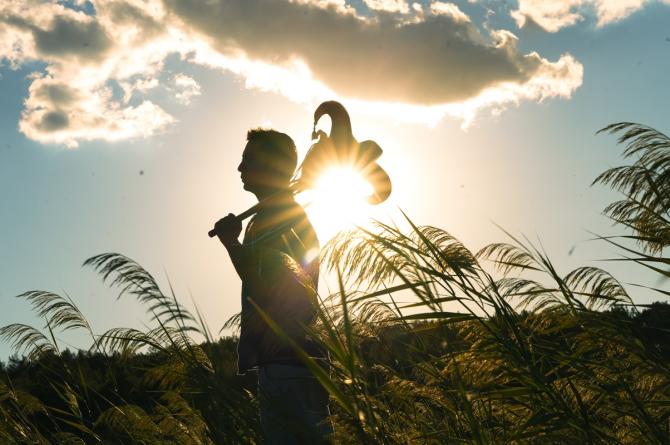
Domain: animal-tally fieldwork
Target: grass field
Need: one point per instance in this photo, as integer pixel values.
(523, 354)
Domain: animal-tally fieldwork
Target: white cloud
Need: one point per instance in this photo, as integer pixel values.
(399, 6)
(552, 15)
(450, 9)
(338, 4)
(139, 85)
(73, 99)
(58, 113)
(186, 88)
(100, 67)
(613, 11)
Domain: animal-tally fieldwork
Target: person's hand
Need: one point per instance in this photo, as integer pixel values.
(228, 229)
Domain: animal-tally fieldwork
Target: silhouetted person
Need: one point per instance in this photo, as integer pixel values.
(278, 264)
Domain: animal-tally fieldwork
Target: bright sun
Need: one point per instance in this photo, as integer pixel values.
(338, 202)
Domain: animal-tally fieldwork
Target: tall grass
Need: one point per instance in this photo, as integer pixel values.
(192, 399)
(518, 353)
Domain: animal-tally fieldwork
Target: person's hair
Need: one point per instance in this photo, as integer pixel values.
(276, 150)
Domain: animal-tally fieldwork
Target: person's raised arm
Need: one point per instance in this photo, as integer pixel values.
(228, 230)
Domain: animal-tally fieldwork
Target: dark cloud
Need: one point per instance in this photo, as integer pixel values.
(54, 121)
(436, 60)
(67, 36)
(86, 40)
(122, 12)
(56, 94)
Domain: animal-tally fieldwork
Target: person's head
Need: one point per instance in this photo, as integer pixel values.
(268, 162)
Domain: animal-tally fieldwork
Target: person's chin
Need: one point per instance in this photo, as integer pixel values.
(248, 187)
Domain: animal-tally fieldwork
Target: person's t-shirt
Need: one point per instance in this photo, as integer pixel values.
(284, 251)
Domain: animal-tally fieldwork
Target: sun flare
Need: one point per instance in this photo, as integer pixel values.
(338, 202)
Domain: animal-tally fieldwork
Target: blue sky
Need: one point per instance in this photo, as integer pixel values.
(106, 174)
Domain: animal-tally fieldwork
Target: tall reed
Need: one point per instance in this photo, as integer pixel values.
(519, 352)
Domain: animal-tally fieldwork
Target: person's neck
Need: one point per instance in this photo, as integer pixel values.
(274, 195)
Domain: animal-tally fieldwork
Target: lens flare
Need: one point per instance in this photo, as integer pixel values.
(338, 201)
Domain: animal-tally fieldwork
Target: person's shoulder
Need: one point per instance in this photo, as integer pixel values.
(298, 212)
(302, 225)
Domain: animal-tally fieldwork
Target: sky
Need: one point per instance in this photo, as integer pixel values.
(123, 122)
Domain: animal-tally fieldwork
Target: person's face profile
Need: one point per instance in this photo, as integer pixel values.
(256, 172)
(249, 168)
